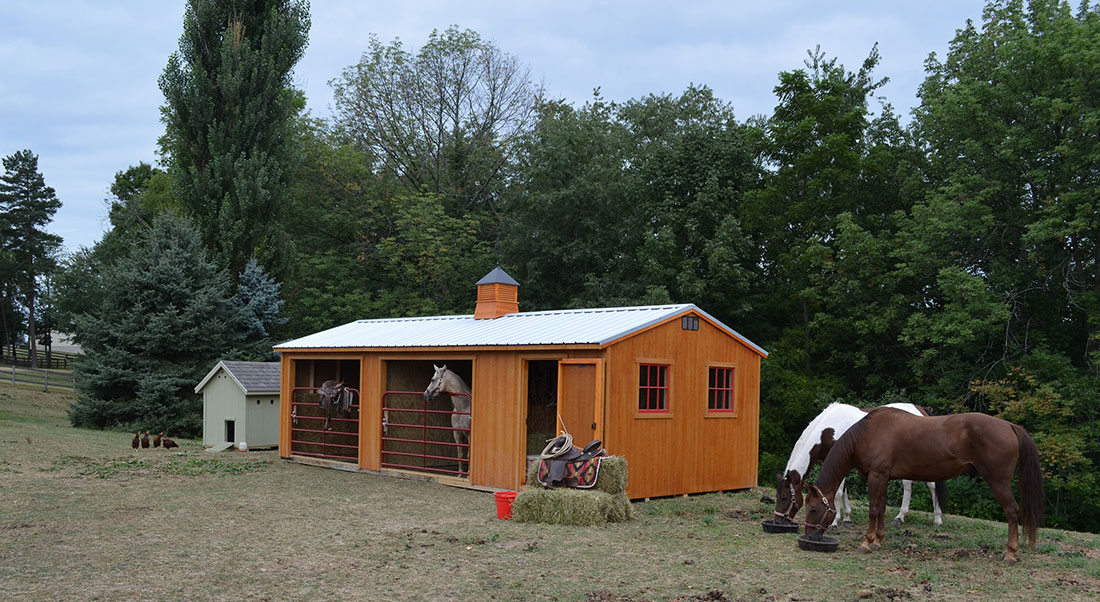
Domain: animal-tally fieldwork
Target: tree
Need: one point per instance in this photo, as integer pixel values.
(147, 343)
(1002, 257)
(26, 206)
(444, 121)
(255, 313)
(229, 106)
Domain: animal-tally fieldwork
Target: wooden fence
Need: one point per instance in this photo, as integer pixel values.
(58, 379)
(59, 360)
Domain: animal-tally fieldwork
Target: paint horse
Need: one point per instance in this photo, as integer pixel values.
(335, 397)
(446, 381)
(892, 444)
(813, 446)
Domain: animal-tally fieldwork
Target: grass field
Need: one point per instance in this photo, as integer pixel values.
(85, 517)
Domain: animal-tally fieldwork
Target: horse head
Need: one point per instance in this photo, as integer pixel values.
(436, 385)
(820, 511)
(788, 495)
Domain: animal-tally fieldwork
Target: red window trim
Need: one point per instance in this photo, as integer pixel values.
(660, 390)
(728, 391)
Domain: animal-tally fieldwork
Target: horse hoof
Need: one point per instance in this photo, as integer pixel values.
(863, 549)
(874, 547)
(1008, 560)
(846, 523)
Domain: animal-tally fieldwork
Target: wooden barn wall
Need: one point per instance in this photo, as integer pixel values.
(687, 449)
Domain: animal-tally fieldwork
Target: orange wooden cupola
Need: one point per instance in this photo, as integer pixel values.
(497, 295)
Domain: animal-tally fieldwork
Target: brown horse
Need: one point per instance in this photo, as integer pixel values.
(892, 444)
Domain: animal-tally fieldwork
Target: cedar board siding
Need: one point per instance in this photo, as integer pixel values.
(685, 450)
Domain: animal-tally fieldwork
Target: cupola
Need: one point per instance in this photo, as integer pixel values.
(497, 295)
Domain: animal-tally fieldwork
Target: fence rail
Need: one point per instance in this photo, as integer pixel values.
(59, 360)
(58, 379)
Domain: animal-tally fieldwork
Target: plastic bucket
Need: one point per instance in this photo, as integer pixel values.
(504, 503)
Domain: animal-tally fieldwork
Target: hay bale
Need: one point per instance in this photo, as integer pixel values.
(612, 478)
(571, 507)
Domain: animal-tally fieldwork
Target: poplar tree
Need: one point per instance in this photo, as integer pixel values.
(228, 113)
(26, 206)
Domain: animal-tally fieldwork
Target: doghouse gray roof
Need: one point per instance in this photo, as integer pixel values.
(252, 377)
(559, 327)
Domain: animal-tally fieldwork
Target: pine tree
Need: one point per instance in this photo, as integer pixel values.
(149, 341)
(26, 206)
(229, 106)
(255, 312)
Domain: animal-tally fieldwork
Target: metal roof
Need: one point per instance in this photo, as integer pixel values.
(558, 327)
(251, 377)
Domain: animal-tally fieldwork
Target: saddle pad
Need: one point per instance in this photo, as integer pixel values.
(579, 475)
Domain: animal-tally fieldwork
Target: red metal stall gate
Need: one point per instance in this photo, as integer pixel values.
(308, 436)
(406, 441)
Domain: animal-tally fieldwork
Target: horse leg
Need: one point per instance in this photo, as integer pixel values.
(906, 495)
(839, 495)
(847, 509)
(876, 526)
(938, 512)
(1002, 492)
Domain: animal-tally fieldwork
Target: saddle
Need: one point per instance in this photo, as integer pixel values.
(335, 396)
(563, 464)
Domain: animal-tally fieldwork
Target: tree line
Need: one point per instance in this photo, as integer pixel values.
(950, 261)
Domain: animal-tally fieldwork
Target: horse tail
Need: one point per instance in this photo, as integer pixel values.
(941, 495)
(1031, 485)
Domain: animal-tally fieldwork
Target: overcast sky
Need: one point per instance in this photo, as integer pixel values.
(78, 79)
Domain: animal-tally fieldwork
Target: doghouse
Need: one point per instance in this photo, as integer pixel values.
(669, 387)
(240, 402)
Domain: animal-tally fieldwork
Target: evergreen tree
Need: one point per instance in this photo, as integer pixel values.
(26, 206)
(254, 312)
(228, 112)
(147, 343)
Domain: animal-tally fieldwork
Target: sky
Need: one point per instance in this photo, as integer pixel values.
(78, 78)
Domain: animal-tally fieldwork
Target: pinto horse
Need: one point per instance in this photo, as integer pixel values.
(446, 381)
(813, 446)
(892, 444)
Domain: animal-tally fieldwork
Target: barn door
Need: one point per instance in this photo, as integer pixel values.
(580, 399)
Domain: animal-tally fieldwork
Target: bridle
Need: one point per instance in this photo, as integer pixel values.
(828, 508)
(790, 503)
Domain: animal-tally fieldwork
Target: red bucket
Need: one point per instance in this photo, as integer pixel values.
(504, 503)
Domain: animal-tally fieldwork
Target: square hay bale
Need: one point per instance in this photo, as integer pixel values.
(612, 478)
(571, 507)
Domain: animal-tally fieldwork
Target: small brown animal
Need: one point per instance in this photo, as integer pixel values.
(156, 440)
(135, 442)
(145, 440)
(168, 443)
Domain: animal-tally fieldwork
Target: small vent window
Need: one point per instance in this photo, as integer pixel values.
(689, 323)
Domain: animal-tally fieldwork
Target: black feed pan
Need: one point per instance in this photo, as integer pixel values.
(824, 544)
(771, 526)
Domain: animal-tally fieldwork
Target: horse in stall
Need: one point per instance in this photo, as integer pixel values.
(446, 381)
(892, 444)
(335, 397)
(813, 446)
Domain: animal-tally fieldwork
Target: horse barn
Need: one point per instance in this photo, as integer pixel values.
(668, 387)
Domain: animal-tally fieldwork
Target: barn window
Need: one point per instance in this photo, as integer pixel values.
(720, 390)
(653, 388)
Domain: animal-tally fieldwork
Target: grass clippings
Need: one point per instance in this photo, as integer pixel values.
(278, 530)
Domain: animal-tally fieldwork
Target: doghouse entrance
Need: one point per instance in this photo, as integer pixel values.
(425, 435)
(324, 432)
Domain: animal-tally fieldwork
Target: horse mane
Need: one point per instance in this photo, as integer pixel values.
(839, 461)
